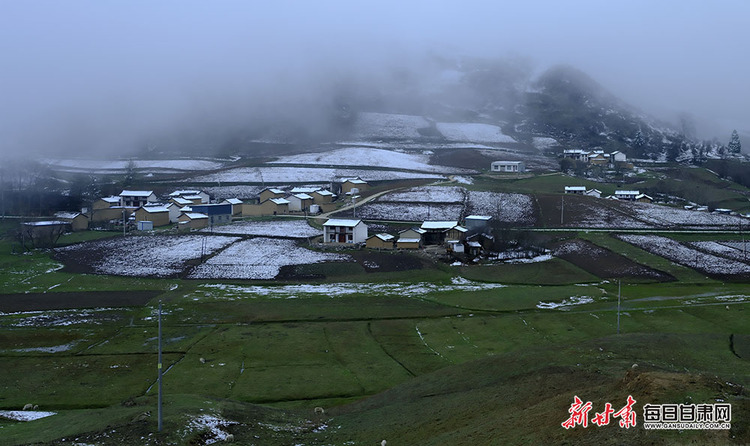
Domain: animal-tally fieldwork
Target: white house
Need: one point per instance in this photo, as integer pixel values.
(299, 202)
(136, 198)
(205, 198)
(236, 205)
(626, 194)
(174, 212)
(618, 157)
(508, 166)
(580, 190)
(339, 230)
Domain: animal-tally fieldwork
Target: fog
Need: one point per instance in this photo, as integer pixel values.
(92, 77)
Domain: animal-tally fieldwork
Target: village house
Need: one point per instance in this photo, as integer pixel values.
(408, 242)
(322, 197)
(643, 198)
(578, 190)
(594, 193)
(304, 190)
(508, 166)
(353, 186)
(618, 157)
(106, 202)
(193, 220)
(271, 206)
(268, 193)
(456, 233)
(204, 197)
(337, 230)
(136, 198)
(108, 214)
(236, 206)
(599, 158)
(628, 195)
(381, 241)
(218, 213)
(300, 202)
(174, 212)
(158, 215)
(436, 231)
(577, 154)
(181, 202)
(76, 220)
(477, 223)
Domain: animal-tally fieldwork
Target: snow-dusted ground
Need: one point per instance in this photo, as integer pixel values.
(511, 208)
(409, 211)
(722, 249)
(275, 228)
(542, 142)
(427, 194)
(365, 156)
(596, 214)
(61, 318)
(25, 415)
(150, 255)
(684, 255)
(375, 126)
(241, 192)
(566, 303)
(669, 216)
(332, 290)
(259, 258)
(281, 175)
(213, 425)
(102, 166)
(473, 132)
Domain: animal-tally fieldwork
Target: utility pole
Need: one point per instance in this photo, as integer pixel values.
(562, 209)
(619, 292)
(159, 367)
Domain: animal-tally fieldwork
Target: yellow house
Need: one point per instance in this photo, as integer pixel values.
(157, 214)
(381, 241)
(354, 183)
(77, 221)
(193, 220)
(269, 193)
(272, 206)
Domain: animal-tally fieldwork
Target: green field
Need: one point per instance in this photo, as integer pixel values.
(436, 355)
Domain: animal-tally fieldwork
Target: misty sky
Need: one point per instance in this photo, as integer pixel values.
(100, 74)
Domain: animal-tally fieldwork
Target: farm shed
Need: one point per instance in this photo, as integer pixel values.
(322, 197)
(106, 202)
(107, 214)
(408, 243)
(456, 233)
(218, 213)
(412, 233)
(193, 220)
(477, 223)
(268, 193)
(508, 166)
(76, 220)
(643, 198)
(381, 241)
(42, 234)
(339, 230)
(136, 198)
(159, 215)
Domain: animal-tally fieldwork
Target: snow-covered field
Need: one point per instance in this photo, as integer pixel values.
(282, 175)
(331, 290)
(684, 255)
(427, 194)
(365, 156)
(669, 216)
(241, 192)
(259, 258)
(473, 132)
(722, 249)
(542, 142)
(150, 255)
(103, 166)
(410, 211)
(510, 208)
(275, 228)
(374, 126)
(595, 214)
(25, 415)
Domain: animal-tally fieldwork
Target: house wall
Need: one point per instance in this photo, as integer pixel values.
(108, 214)
(347, 187)
(454, 234)
(265, 208)
(267, 194)
(410, 233)
(198, 223)
(80, 223)
(321, 199)
(407, 245)
(158, 218)
(377, 243)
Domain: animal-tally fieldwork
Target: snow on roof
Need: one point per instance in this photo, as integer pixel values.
(182, 201)
(46, 223)
(279, 200)
(474, 244)
(593, 191)
(439, 224)
(154, 209)
(355, 181)
(192, 197)
(136, 193)
(67, 215)
(303, 190)
(575, 188)
(384, 237)
(460, 229)
(478, 217)
(303, 196)
(627, 192)
(195, 215)
(177, 193)
(342, 222)
(111, 199)
(274, 191)
(639, 196)
(507, 162)
(417, 230)
(408, 240)
(186, 209)
(233, 201)
(323, 192)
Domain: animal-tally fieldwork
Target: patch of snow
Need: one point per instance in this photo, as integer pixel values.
(543, 143)
(540, 258)
(213, 424)
(410, 211)
(375, 126)
(473, 132)
(510, 208)
(427, 194)
(281, 175)
(566, 303)
(274, 228)
(25, 415)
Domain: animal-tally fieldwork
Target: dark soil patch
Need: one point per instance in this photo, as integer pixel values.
(79, 261)
(66, 301)
(604, 263)
(463, 158)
